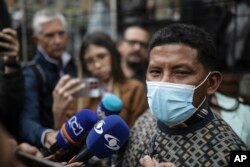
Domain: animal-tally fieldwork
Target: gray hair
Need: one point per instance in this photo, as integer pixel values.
(44, 16)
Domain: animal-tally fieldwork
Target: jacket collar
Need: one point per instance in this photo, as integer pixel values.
(65, 58)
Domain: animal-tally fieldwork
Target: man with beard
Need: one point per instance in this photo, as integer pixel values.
(133, 48)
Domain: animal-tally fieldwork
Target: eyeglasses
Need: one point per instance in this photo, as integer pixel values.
(133, 42)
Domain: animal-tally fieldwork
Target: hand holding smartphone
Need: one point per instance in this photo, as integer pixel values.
(3, 41)
(63, 95)
(9, 45)
(69, 88)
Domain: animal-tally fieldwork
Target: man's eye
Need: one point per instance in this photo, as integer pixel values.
(154, 72)
(61, 33)
(181, 72)
(49, 35)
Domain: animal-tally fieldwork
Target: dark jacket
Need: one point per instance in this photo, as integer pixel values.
(11, 100)
(37, 116)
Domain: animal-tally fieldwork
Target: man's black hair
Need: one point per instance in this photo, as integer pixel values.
(141, 26)
(191, 36)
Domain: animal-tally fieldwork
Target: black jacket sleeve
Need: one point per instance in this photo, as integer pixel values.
(11, 100)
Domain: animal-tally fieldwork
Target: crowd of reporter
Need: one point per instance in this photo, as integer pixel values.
(38, 99)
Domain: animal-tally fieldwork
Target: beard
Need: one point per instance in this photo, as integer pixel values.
(136, 61)
(138, 67)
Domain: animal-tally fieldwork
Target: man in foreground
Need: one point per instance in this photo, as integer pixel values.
(181, 128)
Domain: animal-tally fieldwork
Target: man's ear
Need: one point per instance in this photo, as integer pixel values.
(214, 81)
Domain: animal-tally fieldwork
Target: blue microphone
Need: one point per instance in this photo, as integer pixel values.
(105, 139)
(74, 130)
(110, 104)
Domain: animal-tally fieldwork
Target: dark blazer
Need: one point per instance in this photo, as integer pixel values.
(11, 101)
(37, 116)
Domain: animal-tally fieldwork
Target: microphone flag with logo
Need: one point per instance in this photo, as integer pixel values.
(74, 130)
(105, 138)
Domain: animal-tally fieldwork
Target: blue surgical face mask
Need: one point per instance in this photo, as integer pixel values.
(171, 103)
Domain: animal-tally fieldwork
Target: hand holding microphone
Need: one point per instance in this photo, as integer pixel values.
(74, 130)
(105, 139)
(110, 104)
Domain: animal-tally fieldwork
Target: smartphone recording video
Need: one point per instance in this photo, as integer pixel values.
(92, 88)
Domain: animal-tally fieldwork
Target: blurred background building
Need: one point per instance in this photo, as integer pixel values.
(227, 20)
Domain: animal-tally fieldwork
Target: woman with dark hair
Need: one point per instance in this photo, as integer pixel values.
(100, 58)
(105, 49)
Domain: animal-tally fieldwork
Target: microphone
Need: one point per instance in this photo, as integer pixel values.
(105, 138)
(110, 104)
(74, 130)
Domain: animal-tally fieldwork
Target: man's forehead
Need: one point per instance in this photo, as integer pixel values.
(174, 49)
(49, 25)
(175, 53)
(136, 32)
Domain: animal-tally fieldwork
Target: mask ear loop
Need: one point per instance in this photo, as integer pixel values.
(203, 80)
(201, 103)
(205, 96)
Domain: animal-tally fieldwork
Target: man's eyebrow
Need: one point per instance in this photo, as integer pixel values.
(153, 65)
(51, 33)
(183, 65)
